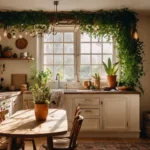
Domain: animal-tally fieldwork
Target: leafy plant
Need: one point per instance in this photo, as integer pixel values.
(111, 69)
(41, 91)
(96, 76)
(120, 24)
(7, 48)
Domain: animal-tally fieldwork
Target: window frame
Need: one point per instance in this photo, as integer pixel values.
(77, 52)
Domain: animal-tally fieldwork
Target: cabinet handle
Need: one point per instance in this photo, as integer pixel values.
(88, 111)
(87, 99)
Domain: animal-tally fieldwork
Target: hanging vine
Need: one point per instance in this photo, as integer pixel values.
(119, 24)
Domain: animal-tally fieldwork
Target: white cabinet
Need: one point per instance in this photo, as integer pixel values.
(106, 115)
(114, 112)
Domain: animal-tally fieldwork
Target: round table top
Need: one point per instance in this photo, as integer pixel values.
(23, 124)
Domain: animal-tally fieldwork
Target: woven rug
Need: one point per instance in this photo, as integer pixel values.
(111, 146)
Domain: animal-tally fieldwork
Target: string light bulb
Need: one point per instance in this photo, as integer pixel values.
(5, 33)
(135, 35)
(20, 36)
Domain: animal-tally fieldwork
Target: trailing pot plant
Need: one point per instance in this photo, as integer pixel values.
(111, 70)
(7, 51)
(41, 94)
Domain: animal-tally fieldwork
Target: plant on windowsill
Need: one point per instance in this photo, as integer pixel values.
(41, 94)
(111, 70)
(97, 78)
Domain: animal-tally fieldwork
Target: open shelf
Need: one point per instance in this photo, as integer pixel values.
(16, 58)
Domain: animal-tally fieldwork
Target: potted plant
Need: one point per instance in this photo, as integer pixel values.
(7, 52)
(41, 95)
(111, 70)
(96, 77)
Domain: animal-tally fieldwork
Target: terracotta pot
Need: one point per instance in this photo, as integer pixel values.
(41, 111)
(7, 54)
(97, 84)
(111, 81)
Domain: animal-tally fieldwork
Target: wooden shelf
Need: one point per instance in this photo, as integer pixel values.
(16, 58)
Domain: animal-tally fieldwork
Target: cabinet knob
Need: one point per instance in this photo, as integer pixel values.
(101, 102)
(88, 111)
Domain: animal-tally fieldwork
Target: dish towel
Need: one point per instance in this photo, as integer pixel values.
(57, 98)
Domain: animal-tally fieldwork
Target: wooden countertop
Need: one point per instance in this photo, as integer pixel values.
(6, 95)
(79, 91)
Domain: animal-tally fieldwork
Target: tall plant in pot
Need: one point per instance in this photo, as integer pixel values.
(41, 95)
(111, 70)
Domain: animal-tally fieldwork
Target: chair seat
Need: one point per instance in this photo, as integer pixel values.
(59, 143)
(67, 135)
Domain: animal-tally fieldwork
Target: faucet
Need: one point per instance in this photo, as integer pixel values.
(58, 78)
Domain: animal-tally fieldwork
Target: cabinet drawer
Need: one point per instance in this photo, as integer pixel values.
(87, 101)
(90, 112)
(90, 124)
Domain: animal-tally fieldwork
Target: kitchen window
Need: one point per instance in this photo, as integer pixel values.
(75, 55)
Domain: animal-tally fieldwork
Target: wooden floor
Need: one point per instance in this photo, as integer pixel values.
(28, 145)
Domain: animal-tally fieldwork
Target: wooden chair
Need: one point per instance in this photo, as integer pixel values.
(68, 143)
(67, 135)
(27, 104)
(3, 140)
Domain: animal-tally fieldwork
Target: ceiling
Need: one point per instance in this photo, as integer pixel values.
(140, 6)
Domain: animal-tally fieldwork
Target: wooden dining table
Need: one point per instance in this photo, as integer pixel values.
(22, 124)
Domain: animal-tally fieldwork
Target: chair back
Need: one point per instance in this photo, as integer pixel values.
(75, 131)
(77, 111)
(2, 114)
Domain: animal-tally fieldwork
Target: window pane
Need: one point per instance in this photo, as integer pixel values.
(48, 38)
(58, 59)
(96, 48)
(48, 48)
(58, 69)
(85, 37)
(96, 39)
(105, 58)
(58, 48)
(69, 59)
(68, 72)
(85, 71)
(85, 48)
(96, 59)
(68, 48)
(48, 59)
(58, 37)
(107, 47)
(68, 37)
(96, 69)
(85, 59)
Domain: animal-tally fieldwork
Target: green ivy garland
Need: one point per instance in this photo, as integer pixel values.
(121, 24)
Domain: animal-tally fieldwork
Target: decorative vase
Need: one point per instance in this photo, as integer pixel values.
(41, 112)
(97, 84)
(111, 81)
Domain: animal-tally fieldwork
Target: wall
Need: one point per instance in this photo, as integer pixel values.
(17, 66)
(144, 34)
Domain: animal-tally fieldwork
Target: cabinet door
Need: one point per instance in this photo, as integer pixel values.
(114, 113)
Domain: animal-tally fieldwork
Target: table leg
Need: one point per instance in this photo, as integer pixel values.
(50, 143)
(12, 144)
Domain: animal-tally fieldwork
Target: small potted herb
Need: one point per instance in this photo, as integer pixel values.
(7, 51)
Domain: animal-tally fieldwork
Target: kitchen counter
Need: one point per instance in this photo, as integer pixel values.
(86, 91)
(5, 95)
